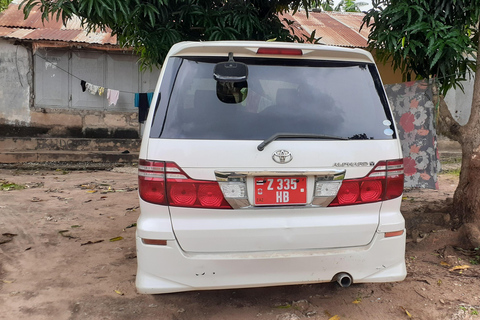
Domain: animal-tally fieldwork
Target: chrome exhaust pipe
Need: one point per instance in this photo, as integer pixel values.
(344, 279)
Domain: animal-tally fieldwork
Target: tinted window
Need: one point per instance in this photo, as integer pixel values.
(283, 96)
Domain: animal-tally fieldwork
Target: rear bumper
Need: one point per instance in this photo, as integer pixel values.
(165, 269)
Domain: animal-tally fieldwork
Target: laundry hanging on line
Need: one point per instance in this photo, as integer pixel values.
(142, 102)
(137, 98)
(112, 95)
(93, 89)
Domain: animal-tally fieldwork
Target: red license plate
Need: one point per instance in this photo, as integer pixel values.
(280, 190)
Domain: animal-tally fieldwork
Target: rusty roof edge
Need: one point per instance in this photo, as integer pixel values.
(17, 27)
(74, 41)
(36, 44)
(13, 19)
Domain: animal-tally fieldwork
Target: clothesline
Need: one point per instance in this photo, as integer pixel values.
(74, 76)
(141, 100)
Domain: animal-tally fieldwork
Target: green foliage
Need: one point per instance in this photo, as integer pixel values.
(325, 5)
(350, 6)
(151, 27)
(476, 259)
(8, 186)
(4, 4)
(426, 37)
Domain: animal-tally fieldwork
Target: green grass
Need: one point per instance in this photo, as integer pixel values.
(454, 172)
(451, 161)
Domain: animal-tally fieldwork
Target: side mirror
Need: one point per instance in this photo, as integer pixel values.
(230, 71)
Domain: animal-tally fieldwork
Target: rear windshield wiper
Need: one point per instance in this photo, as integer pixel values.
(276, 136)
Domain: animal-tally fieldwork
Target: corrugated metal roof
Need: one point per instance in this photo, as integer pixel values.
(335, 28)
(14, 26)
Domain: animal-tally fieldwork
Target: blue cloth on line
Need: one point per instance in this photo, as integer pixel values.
(137, 98)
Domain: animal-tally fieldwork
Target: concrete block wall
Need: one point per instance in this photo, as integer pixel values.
(74, 123)
(15, 83)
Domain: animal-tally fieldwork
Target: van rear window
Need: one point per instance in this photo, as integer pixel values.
(280, 96)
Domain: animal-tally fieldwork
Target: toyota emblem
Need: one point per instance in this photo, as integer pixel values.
(282, 156)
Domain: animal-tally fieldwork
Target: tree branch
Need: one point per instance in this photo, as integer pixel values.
(447, 125)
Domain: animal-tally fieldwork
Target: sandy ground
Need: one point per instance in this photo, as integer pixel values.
(59, 260)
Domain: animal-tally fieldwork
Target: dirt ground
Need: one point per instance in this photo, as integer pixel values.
(61, 257)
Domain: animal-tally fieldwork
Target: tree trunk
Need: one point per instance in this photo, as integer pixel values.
(466, 200)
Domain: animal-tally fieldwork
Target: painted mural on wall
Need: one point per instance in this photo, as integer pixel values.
(415, 117)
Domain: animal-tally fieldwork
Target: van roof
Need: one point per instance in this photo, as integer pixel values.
(250, 48)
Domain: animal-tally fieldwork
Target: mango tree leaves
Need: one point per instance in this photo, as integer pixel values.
(426, 37)
(151, 27)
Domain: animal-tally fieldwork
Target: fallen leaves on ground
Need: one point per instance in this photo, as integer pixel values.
(8, 186)
(8, 281)
(54, 190)
(90, 242)
(464, 267)
(7, 237)
(116, 239)
(103, 188)
(5, 240)
(62, 171)
(407, 313)
(32, 185)
(63, 199)
(119, 292)
(63, 234)
(8, 234)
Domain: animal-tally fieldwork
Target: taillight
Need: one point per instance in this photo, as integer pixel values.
(166, 184)
(210, 195)
(281, 51)
(384, 182)
(371, 190)
(151, 181)
(182, 194)
(348, 193)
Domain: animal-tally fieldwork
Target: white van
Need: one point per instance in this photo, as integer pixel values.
(267, 163)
